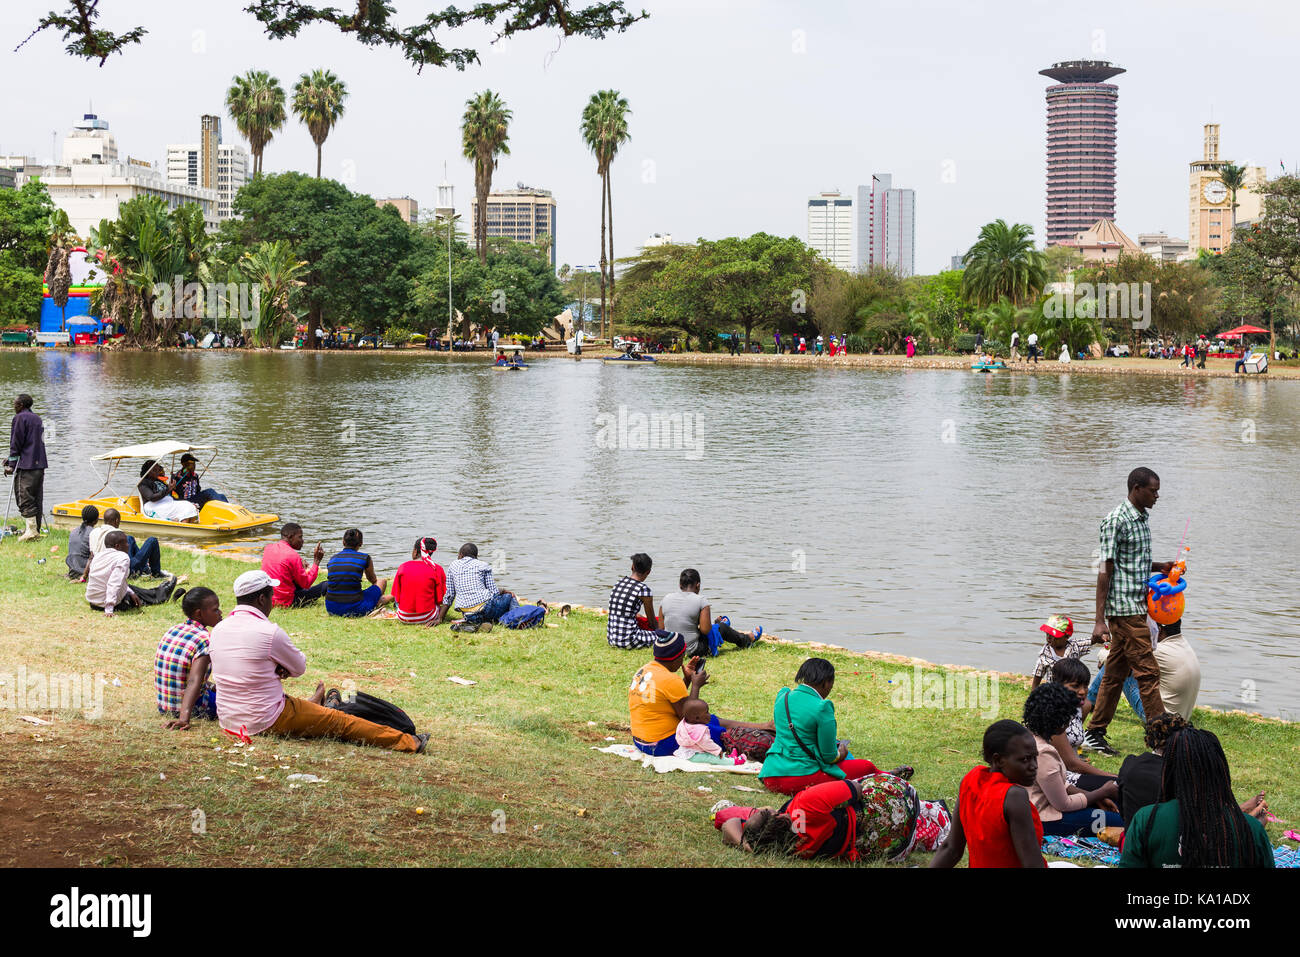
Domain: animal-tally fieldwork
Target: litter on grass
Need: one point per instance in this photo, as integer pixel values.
(32, 719)
(454, 679)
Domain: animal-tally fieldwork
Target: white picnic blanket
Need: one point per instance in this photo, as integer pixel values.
(669, 763)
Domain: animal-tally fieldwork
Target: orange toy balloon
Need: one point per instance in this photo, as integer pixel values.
(1167, 608)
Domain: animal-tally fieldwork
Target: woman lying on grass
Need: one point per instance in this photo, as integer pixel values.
(875, 817)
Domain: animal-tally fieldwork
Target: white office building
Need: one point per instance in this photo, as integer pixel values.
(89, 142)
(210, 164)
(886, 226)
(830, 227)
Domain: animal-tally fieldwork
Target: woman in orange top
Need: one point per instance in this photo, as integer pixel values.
(994, 814)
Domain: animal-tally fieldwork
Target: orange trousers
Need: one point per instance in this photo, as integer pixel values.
(304, 719)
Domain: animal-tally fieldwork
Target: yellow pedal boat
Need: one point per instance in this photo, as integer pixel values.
(216, 519)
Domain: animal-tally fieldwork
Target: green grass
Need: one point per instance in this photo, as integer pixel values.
(513, 749)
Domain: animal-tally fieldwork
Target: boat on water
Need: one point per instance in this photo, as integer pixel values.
(988, 366)
(633, 354)
(514, 358)
(216, 519)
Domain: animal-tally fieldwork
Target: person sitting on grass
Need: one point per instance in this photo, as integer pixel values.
(145, 559)
(1060, 643)
(344, 595)
(1197, 823)
(630, 599)
(107, 588)
(1140, 775)
(1074, 674)
(419, 585)
(872, 818)
(473, 592)
(686, 613)
(281, 560)
(250, 657)
(806, 750)
(78, 557)
(1065, 810)
(995, 818)
(182, 662)
(657, 699)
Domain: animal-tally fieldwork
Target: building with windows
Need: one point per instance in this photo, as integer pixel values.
(1102, 242)
(89, 142)
(1161, 247)
(830, 227)
(210, 164)
(886, 226)
(1209, 202)
(525, 214)
(1081, 121)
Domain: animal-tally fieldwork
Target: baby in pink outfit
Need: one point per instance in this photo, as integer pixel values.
(693, 731)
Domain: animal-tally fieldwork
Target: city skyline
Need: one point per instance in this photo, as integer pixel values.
(975, 149)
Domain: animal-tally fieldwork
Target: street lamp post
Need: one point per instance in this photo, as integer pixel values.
(447, 208)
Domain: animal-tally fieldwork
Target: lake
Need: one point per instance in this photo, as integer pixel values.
(931, 513)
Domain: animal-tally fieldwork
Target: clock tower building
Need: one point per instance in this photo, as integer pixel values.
(1210, 203)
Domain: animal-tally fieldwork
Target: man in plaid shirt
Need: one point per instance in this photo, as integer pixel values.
(1122, 608)
(471, 588)
(181, 665)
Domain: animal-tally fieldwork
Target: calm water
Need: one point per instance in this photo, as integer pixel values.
(931, 513)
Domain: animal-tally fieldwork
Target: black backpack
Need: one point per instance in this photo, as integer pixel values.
(373, 709)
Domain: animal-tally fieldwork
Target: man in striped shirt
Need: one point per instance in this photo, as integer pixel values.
(181, 664)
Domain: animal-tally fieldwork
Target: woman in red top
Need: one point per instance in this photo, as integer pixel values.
(994, 813)
(420, 585)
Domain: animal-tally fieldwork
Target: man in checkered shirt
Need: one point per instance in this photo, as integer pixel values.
(181, 664)
(1122, 608)
(471, 588)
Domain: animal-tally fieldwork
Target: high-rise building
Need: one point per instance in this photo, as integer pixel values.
(89, 142)
(524, 214)
(886, 226)
(210, 164)
(1209, 202)
(1081, 109)
(830, 227)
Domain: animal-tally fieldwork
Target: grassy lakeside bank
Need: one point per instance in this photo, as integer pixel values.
(513, 749)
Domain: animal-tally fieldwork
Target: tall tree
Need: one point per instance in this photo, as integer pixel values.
(1234, 177)
(277, 271)
(485, 131)
(1004, 262)
(256, 104)
(604, 130)
(1271, 247)
(318, 100)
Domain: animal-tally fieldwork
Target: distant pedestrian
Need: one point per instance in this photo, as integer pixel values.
(26, 462)
(911, 347)
(803, 346)
(777, 339)
(1033, 347)
(1015, 341)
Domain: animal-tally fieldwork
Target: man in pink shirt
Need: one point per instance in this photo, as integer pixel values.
(250, 656)
(281, 561)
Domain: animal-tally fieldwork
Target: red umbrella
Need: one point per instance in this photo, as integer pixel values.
(1243, 330)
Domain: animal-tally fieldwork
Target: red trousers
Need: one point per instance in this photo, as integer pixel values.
(853, 769)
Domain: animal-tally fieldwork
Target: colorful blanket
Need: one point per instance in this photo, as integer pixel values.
(1099, 852)
(669, 763)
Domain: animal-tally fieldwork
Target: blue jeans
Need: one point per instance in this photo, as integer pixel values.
(210, 495)
(1131, 694)
(146, 557)
(496, 606)
(1073, 822)
(368, 602)
(1239, 365)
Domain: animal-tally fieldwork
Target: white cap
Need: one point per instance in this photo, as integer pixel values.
(251, 582)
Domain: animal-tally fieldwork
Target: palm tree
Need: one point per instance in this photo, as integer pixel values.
(484, 132)
(604, 130)
(318, 100)
(256, 103)
(58, 277)
(1004, 262)
(1234, 177)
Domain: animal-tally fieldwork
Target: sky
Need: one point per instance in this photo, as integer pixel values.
(740, 110)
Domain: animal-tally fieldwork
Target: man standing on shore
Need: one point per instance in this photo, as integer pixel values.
(1122, 609)
(27, 458)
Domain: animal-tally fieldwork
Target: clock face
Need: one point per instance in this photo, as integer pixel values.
(1215, 191)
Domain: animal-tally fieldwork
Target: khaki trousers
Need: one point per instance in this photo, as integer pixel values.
(304, 719)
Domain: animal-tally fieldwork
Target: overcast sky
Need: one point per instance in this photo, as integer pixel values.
(740, 110)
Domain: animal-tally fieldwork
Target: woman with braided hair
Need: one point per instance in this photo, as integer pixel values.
(1198, 824)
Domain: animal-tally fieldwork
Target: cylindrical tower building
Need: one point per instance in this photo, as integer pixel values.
(1080, 146)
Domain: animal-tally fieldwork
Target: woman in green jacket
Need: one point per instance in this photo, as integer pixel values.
(806, 751)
